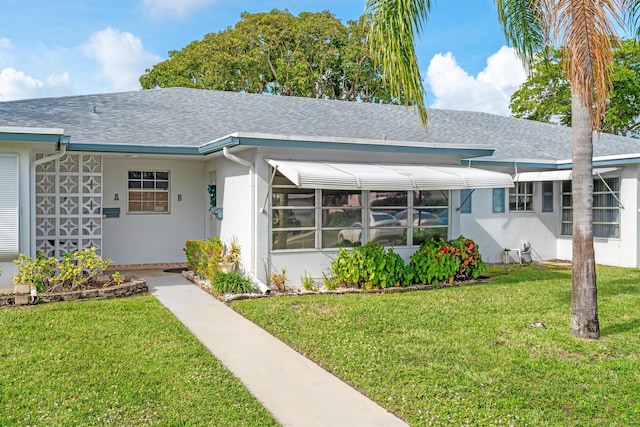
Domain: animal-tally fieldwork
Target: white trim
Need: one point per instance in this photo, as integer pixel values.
(392, 177)
(33, 131)
(557, 175)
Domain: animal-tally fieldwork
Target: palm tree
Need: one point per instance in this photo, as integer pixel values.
(585, 28)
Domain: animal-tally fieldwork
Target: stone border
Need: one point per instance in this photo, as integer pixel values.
(227, 298)
(134, 287)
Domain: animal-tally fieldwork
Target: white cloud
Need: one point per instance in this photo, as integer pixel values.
(489, 92)
(5, 43)
(121, 56)
(159, 9)
(59, 80)
(17, 85)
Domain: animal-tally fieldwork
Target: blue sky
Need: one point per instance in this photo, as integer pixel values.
(66, 47)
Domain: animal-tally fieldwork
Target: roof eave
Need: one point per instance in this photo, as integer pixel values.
(27, 134)
(621, 159)
(96, 147)
(336, 143)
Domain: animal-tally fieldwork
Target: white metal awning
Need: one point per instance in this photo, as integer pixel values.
(561, 175)
(368, 176)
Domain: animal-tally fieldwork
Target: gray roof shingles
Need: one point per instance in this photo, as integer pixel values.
(192, 117)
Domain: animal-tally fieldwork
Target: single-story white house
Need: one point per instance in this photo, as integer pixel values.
(137, 174)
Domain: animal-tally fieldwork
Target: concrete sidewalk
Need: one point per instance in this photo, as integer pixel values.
(295, 390)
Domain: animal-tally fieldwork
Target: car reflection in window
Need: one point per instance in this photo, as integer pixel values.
(383, 228)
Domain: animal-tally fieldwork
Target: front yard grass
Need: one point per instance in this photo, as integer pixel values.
(469, 355)
(124, 362)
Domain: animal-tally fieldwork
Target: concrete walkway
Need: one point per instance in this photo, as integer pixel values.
(295, 390)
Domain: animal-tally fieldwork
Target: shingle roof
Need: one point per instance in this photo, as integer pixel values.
(192, 117)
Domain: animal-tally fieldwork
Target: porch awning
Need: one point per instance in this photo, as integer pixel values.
(562, 175)
(390, 177)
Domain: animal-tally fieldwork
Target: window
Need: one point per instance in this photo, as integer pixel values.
(148, 192)
(498, 200)
(606, 210)
(465, 201)
(521, 197)
(430, 215)
(9, 207)
(310, 219)
(341, 218)
(293, 218)
(384, 227)
(547, 196)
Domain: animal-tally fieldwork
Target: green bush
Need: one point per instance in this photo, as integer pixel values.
(51, 275)
(204, 257)
(231, 283)
(438, 260)
(368, 267)
(35, 271)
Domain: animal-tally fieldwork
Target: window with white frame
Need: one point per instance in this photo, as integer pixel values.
(148, 191)
(430, 215)
(293, 215)
(9, 216)
(314, 218)
(606, 208)
(521, 197)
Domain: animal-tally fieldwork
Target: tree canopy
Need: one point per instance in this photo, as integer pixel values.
(310, 55)
(546, 95)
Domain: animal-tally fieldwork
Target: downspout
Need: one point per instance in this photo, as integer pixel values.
(62, 150)
(254, 217)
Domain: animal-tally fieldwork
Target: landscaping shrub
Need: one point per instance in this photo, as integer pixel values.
(369, 267)
(438, 260)
(279, 280)
(53, 275)
(35, 271)
(204, 257)
(231, 283)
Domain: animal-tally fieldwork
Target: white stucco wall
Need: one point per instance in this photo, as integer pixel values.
(234, 190)
(496, 231)
(154, 238)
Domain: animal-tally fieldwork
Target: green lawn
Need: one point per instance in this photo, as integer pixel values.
(118, 362)
(469, 355)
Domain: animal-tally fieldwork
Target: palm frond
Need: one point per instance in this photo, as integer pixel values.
(394, 24)
(525, 26)
(586, 29)
(632, 17)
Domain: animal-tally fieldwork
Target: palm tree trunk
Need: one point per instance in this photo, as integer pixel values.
(584, 294)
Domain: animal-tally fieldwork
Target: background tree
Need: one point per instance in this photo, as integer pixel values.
(309, 55)
(546, 94)
(585, 28)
